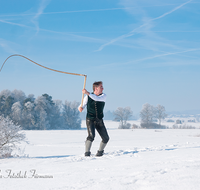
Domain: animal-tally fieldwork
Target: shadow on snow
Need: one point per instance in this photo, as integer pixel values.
(61, 156)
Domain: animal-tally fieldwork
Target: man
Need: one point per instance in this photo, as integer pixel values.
(95, 103)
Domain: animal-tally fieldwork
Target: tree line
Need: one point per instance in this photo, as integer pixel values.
(41, 113)
(149, 115)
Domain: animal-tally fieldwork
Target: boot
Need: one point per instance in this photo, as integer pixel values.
(87, 153)
(100, 153)
(102, 146)
(101, 149)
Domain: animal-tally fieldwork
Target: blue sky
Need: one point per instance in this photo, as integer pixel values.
(144, 51)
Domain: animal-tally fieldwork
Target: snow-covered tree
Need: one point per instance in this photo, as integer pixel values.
(160, 113)
(31, 97)
(56, 118)
(18, 95)
(6, 108)
(10, 136)
(50, 109)
(5, 93)
(122, 115)
(16, 114)
(147, 113)
(47, 116)
(71, 115)
(28, 116)
(2, 102)
(41, 114)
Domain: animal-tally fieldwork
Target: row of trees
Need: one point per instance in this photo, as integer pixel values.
(45, 113)
(149, 116)
(39, 113)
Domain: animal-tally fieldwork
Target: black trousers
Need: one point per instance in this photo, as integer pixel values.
(99, 126)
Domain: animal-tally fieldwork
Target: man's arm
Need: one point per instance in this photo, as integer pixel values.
(85, 100)
(101, 98)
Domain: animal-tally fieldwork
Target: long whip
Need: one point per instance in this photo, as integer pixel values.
(49, 69)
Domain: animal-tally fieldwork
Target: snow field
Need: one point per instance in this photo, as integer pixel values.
(135, 159)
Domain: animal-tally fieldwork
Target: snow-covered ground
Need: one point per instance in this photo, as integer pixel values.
(135, 159)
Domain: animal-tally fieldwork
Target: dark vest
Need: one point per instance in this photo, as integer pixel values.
(94, 109)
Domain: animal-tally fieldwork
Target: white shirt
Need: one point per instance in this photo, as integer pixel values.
(101, 98)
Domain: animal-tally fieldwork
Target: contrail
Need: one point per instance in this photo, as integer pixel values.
(162, 55)
(41, 8)
(12, 23)
(73, 36)
(133, 31)
(64, 12)
(144, 59)
(81, 11)
(171, 11)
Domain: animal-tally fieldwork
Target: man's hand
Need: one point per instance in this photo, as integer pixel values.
(84, 91)
(80, 109)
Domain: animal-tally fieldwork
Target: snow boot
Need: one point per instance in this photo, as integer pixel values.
(101, 149)
(87, 153)
(100, 153)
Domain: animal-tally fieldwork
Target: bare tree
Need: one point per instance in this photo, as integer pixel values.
(147, 114)
(122, 115)
(10, 136)
(160, 113)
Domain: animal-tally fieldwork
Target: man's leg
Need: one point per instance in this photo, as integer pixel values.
(88, 145)
(104, 135)
(91, 135)
(102, 146)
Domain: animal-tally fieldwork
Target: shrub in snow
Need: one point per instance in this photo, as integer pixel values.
(134, 126)
(10, 137)
(125, 126)
(184, 126)
(152, 126)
